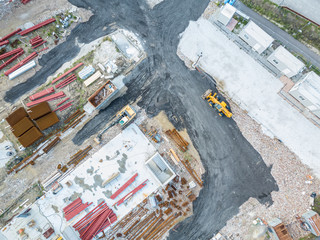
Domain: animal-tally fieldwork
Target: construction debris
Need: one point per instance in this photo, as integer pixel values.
(81, 154)
(179, 141)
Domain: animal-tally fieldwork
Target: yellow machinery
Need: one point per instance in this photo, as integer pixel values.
(214, 101)
(123, 117)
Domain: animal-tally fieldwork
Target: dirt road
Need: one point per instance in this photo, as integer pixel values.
(234, 170)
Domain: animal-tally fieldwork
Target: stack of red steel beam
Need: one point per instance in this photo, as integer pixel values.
(67, 81)
(64, 106)
(8, 54)
(95, 221)
(62, 101)
(124, 186)
(130, 194)
(37, 41)
(47, 98)
(20, 64)
(5, 42)
(10, 35)
(66, 73)
(12, 59)
(35, 27)
(42, 93)
(25, 1)
(74, 208)
(43, 49)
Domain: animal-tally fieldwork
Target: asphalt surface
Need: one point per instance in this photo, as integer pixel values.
(234, 170)
(277, 33)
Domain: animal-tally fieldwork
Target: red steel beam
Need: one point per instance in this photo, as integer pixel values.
(10, 35)
(34, 39)
(46, 99)
(107, 221)
(87, 221)
(68, 82)
(11, 59)
(96, 223)
(77, 210)
(72, 204)
(134, 191)
(65, 80)
(37, 41)
(62, 101)
(8, 54)
(5, 42)
(24, 32)
(124, 186)
(89, 214)
(66, 73)
(20, 64)
(41, 94)
(43, 49)
(38, 45)
(112, 219)
(65, 107)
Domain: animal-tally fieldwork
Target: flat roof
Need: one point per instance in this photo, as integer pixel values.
(258, 34)
(127, 154)
(310, 88)
(47, 121)
(228, 10)
(16, 116)
(283, 55)
(22, 126)
(39, 110)
(30, 137)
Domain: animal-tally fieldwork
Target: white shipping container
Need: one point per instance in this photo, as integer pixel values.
(22, 70)
(92, 79)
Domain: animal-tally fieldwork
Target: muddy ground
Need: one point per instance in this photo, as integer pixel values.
(234, 170)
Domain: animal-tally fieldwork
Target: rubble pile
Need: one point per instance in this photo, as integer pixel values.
(294, 179)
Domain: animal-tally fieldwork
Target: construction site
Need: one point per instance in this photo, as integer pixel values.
(117, 124)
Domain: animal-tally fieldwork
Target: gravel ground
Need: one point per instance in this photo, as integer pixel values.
(290, 174)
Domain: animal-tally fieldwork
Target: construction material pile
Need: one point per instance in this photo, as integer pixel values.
(81, 154)
(16, 53)
(74, 208)
(178, 140)
(95, 221)
(36, 42)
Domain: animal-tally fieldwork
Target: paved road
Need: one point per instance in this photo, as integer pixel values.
(307, 8)
(234, 170)
(277, 33)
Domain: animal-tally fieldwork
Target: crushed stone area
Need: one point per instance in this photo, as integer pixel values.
(292, 177)
(13, 15)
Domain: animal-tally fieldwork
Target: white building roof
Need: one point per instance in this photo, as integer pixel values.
(228, 10)
(254, 31)
(310, 88)
(293, 63)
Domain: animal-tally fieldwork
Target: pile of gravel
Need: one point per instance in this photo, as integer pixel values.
(6, 7)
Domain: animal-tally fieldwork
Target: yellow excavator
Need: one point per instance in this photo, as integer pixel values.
(123, 117)
(214, 101)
